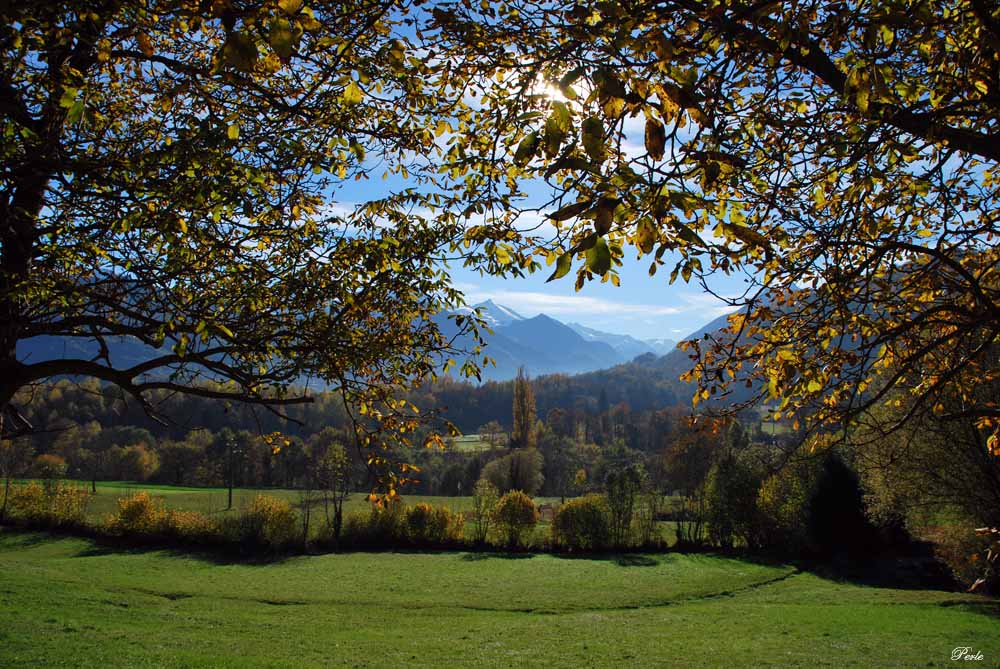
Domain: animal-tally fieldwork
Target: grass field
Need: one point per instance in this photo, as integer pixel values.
(213, 500)
(70, 602)
(474, 443)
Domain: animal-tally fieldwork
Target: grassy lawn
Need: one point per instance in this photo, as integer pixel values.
(474, 443)
(213, 500)
(70, 602)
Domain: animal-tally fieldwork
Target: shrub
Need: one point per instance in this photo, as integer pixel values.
(55, 504)
(189, 526)
(484, 503)
(582, 523)
(967, 555)
(516, 515)
(382, 526)
(50, 468)
(266, 521)
(433, 526)
(837, 518)
(142, 515)
(137, 515)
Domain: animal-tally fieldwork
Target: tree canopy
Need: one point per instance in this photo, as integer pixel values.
(843, 156)
(170, 168)
(168, 174)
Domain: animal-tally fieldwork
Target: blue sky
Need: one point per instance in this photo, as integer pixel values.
(642, 306)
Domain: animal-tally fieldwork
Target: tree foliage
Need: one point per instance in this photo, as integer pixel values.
(523, 435)
(842, 155)
(168, 172)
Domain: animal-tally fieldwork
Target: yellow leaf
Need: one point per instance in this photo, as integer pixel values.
(352, 94)
(233, 131)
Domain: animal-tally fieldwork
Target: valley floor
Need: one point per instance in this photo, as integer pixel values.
(71, 602)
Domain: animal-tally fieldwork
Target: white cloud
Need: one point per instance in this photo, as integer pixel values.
(531, 302)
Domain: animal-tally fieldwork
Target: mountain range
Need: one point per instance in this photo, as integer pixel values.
(541, 344)
(544, 345)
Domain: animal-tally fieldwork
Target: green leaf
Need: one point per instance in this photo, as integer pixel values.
(68, 98)
(687, 234)
(593, 138)
(526, 150)
(281, 38)
(645, 236)
(240, 51)
(598, 257)
(570, 210)
(75, 113)
(563, 265)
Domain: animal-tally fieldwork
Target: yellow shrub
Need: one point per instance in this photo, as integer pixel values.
(268, 520)
(189, 525)
(54, 505)
(138, 514)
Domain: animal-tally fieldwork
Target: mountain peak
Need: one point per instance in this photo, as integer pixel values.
(497, 314)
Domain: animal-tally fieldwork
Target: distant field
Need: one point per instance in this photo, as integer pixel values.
(474, 443)
(212, 501)
(70, 602)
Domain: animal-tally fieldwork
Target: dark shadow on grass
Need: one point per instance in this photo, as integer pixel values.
(16, 539)
(983, 608)
(101, 545)
(222, 555)
(496, 555)
(898, 573)
(620, 559)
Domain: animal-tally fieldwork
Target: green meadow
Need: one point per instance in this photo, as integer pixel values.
(213, 501)
(72, 602)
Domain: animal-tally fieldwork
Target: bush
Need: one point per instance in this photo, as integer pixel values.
(189, 526)
(382, 526)
(141, 515)
(484, 502)
(837, 519)
(516, 515)
(50, 469)
(582, 523)
(265, 522)
(430, 526)
(137, 515)
(783, 503)
(966, 553)
(53, 505)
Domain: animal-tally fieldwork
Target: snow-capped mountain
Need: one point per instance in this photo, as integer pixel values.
(627, 346)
